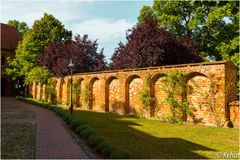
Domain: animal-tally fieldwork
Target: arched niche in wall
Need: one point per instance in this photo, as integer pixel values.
(112, 95)
(44, 92)
(158, 107)
(68, 91)
(77, 88)
(41, 92)
(134, 85)
(60, 90)
(37, 91)
(95, 94)
(199, 97)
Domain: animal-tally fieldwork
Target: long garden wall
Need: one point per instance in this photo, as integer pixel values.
(213, 87)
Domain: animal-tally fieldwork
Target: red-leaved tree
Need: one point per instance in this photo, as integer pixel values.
(148, 45)
(81, 50)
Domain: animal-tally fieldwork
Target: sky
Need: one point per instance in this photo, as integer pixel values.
(106, 21)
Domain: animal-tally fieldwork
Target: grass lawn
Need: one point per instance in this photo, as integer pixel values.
(155, 139)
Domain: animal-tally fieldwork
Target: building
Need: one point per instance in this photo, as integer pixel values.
(9, 41)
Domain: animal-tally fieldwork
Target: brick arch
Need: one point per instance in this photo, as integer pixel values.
(112, 97)
(199, 97)
(92, 92)
(194, 74)
(157, 92)
(78, 96)
(133, 85)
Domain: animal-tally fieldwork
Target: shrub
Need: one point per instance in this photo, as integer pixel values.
(74, 123)
(66, 117)
(104, 148)
(79, 129)
(119, 154)
(87, 133)
(69, 119)
(60, 111)
(94, 140)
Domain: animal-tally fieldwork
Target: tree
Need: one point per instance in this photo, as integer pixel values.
(213, 24)
(81, 50)
(21, 26)
(148, 45)
(38, 74)
(44, 31)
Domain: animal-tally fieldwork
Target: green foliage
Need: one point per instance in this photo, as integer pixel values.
(66, 116)
(76, 90)
(21, 26)
(79, 129)
(94, 140)
(74, 123)
(119, 154)
(50, 90)
(176, 88)
(87, 133)
(60, 111)
(104, 148)
(85, 93)
(175, 84)
(35, 41)
(38, 74)
(145, 97)
(213, 24)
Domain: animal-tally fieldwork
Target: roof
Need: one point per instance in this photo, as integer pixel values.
(9, 37)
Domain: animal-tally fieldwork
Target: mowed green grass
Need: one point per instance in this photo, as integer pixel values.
(155, 139)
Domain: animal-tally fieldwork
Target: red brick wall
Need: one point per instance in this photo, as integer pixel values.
(235, 113)
(118, 91)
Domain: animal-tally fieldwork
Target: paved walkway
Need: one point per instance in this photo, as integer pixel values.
(53, 140)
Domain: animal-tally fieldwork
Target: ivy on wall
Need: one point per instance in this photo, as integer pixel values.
(145, 97)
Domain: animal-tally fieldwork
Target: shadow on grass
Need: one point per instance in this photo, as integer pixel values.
(119, 131)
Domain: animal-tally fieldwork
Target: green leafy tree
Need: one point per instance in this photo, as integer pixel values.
(38, 74)
(213, 24)
(21, 26)
(35, 41)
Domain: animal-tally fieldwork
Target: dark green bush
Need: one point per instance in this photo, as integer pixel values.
(94, 140)
(75, 122)
(66, 116)
(87, 133)
(119, 154)
(104, 148)
(79, 129)
(59, 111)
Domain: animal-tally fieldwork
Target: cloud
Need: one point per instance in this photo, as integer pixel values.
(103, 29)
(29, 11)
(108, 32)
(82, 17)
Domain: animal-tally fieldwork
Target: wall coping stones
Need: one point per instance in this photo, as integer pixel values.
(152, 68)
